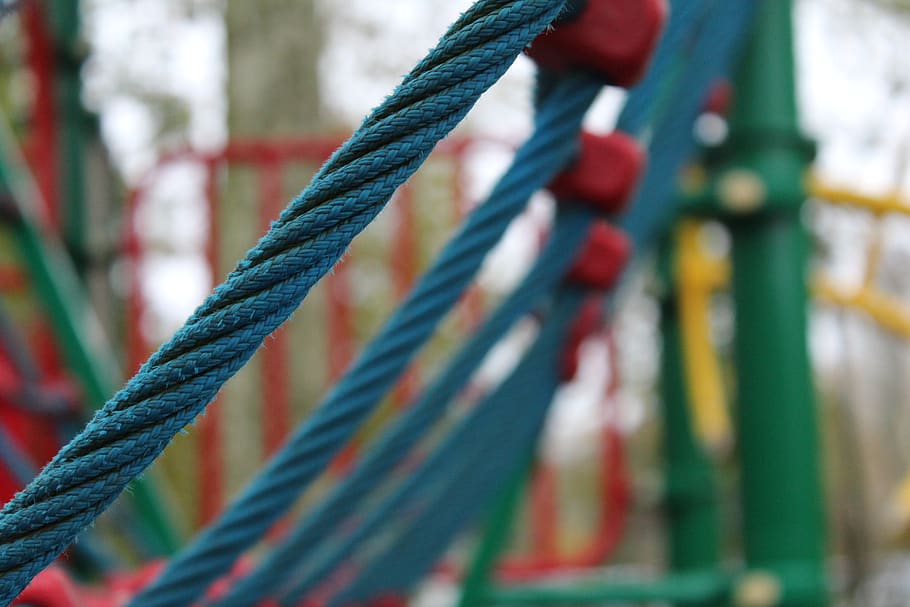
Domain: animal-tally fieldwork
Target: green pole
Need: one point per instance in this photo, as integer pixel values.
(690, 589)
(477, 583)
(78, 329)
(64, 23)
(690, 492)
(761, 188)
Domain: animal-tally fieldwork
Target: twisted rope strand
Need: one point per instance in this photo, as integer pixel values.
(318, 527)
(31, 537)
(321, 526)
(399, 564)
(520, 404)
(374, 373)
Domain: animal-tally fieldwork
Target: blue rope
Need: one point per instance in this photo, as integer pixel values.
(312, 233)
(404, 562)
(34, 399)
(16, 461)
(482, 466)
(31, 397)
(333, 510)
(654, 95)
(711, 59)
(413, 553)
(375, 372)
(316, 530)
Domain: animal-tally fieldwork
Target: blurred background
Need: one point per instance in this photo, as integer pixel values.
(196, 120)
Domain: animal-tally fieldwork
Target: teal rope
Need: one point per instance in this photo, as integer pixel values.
(534, 165)
(334, 513)
(550, 147)
(260, 294)
(402, 562)
(480, 465)
(376, 370)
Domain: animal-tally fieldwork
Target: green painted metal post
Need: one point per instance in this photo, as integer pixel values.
(690, 589)
(690, 493)
(65, 302)
(760, 185)
(478, 580)
(64, 24)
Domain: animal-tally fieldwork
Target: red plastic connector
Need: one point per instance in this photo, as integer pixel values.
(388, 600)
(605, 173)
(588, 322)
(602, 258)
(598, 267)
(50, 588)
(129, 583)
(613, 38)
(720, 98)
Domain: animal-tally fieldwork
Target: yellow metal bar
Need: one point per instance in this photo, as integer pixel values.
(878, 205)
(887, 311)
(699, 277)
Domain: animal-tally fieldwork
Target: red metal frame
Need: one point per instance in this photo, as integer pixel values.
(276, 393)
(405, 250)
(269, 158)
(211, 436)
(35, 433)
(41, 149)
(615, 504)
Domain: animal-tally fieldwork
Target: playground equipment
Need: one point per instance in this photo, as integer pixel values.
(270, 163)
(399, 504)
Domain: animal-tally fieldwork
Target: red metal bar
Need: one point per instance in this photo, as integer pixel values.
(615, 503)
(43, 441)
(252, 151)
(544, 511)
(271, 156)
(136, 345)
(13, 419)
(340, 312)
(276, 401)
(41, 149)
(12, 279)
(340, 346)
(210, 452)
(404, 272)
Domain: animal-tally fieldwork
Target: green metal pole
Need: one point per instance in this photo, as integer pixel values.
(478, 581)
(64, 24)
(690, 492)
(761, 186)
(78, 329)
(691, 589)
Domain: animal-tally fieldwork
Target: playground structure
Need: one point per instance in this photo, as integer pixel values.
(394, 507)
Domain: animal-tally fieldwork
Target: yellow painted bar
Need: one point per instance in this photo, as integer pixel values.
(699, 277)
(887, 311)
(878, 205)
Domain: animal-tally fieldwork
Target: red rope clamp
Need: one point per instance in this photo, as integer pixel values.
(719, 99)
(613, 38)
(50, 588)
(604, 175)
(602, 258)
(597, 268)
